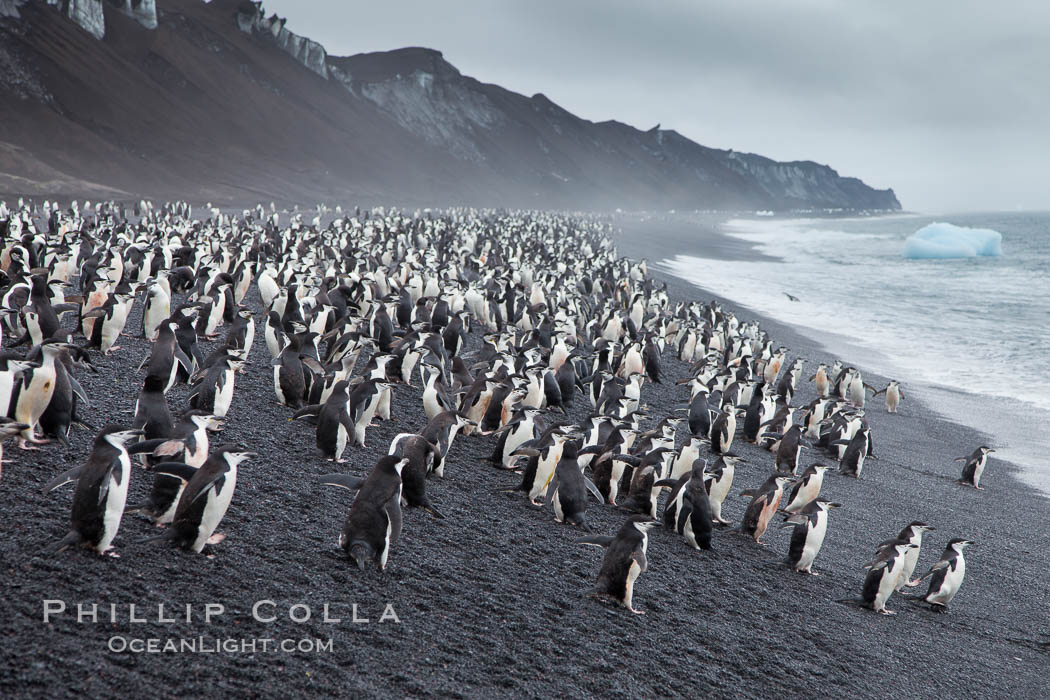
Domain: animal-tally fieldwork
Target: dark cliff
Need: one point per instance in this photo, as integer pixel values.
(221, 102)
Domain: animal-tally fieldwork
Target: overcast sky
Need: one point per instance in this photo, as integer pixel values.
(948, 102)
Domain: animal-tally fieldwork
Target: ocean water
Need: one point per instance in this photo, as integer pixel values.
(970, 337)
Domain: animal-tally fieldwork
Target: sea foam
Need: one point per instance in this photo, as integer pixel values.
(941, 240)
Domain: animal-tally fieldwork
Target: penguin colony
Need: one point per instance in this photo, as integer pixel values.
(363, 306)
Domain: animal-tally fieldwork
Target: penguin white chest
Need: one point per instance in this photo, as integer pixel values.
(116, 497)
(218, 502)
(224, 396)
(814, 541)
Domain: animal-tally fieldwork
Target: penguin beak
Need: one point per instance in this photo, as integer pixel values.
(834, 505)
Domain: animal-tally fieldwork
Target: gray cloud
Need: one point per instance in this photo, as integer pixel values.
(945, 101)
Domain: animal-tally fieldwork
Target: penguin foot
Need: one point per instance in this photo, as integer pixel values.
(886, 611)
(216, 538)
(24, 445)
(913, 583)
(636, 612)
(979, 488)
(112, 350)
(111, 553)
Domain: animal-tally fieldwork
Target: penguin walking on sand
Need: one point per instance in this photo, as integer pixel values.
(822, 382)
(101, 492)
(569, 488)
(789, 448)
(764, 502)
(894, 395)
(213, 386)
(334, 423)
(857, 450)
(946, 576)
(974, 466)
(420, 454)
(624, 560)
(912, 533)
(718, 480)
(167, 357)
(883, 573)
(374, 522)
(688, 510)
(38, 386)
(169, 481)
(806, 489)
(205, 500)
(811, 525)
(723, 429)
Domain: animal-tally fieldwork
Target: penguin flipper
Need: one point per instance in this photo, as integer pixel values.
(597, 540)
(310, 411)
(179, 470)
(312, 365)
(593, 488)
(161, 447)
(181, 358)
(939, 565)
(346, 481)
(70, 539)
(78, 390)
(552, 490)
(64, 478)
(215, 481)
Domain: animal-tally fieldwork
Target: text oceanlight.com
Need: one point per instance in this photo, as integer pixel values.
(212, 645)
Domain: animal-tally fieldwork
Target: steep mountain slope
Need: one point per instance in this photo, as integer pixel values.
(220, 102)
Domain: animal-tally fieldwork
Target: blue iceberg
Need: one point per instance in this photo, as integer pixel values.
(941, 240)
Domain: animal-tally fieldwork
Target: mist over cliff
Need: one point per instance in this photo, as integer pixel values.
(220, 101)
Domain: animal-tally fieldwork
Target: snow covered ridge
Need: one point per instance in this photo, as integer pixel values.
(943, 240)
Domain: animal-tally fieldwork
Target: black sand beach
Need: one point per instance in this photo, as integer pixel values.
(491, 600)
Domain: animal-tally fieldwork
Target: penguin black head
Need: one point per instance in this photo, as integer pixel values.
(643, 523)
(117, 435)
(361, 552)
